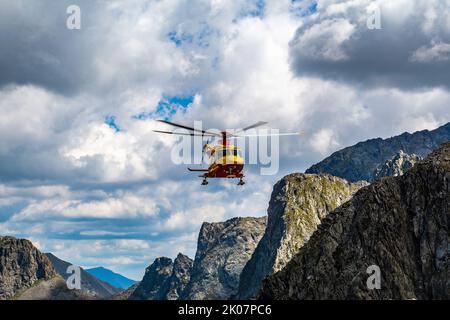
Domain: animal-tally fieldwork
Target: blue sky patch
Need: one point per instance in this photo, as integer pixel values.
(111, 122)
(200, 38)
(167, 107)
(180, 39)
(256, 10)
(303, 8)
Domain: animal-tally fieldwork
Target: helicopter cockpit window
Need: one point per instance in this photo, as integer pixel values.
(229, 153)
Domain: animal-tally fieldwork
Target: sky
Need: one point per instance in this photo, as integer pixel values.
(82, 174)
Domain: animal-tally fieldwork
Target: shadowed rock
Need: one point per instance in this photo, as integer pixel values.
(400, 224)
(297, 205)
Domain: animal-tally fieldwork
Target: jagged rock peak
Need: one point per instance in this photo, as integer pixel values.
(181, 274)
(21, 266)
(400, 224)
(396, 166)
(154, 285)
(222, 251)
(298, 204)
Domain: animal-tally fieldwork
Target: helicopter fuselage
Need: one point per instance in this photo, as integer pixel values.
(227, 162)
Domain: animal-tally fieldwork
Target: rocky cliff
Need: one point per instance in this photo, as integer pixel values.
(164, 279)
(21, 266)
(399, 224)
(297, 205)
(223, 250)
(359, 162)
(181, 275)
(154, 285)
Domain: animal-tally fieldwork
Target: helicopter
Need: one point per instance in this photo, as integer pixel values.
(226, 159)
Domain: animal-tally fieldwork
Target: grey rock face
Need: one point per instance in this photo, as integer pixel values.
(163, 280)
(154, 285)
(396, 166)
(181, 275)
(126, 294)
(223, 250)
(298, 204)
(360, 161)
(400, 224)
(21, 266)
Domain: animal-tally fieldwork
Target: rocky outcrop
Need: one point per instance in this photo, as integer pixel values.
(360, 161)
(21, 266)
(400, 224)
(155, 284)
(181, 275)
(90, 285)
(126, 294)
(163, 280)
(396, 166)
(223, 250)
(297, 205)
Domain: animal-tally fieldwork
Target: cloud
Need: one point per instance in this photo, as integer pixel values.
(437, 52)
(335, 43)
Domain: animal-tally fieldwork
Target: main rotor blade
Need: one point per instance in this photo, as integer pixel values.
(185, 134)
(270, 134)
(189, 128)
(258, 124)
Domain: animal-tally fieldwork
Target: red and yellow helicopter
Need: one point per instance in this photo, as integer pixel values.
(226, 159)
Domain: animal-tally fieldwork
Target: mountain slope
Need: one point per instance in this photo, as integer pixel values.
(53, 289)
(400, 224)
(89, 284)
(223, 249)
(114, 279)
(360, 161)
(21, 266)
(297, 205)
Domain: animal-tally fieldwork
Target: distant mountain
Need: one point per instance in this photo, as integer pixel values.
(396, 229)
(89, 283)
(114, 279)
(363, 160)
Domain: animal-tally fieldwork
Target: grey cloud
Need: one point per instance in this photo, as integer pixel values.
(406, 53)
(37, 48)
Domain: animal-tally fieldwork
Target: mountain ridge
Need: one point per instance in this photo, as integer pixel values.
(360, 161)
(112, 278)
(89, 283)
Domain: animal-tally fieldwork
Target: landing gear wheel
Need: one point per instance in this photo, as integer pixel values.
(241, 182)
(204, 182)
